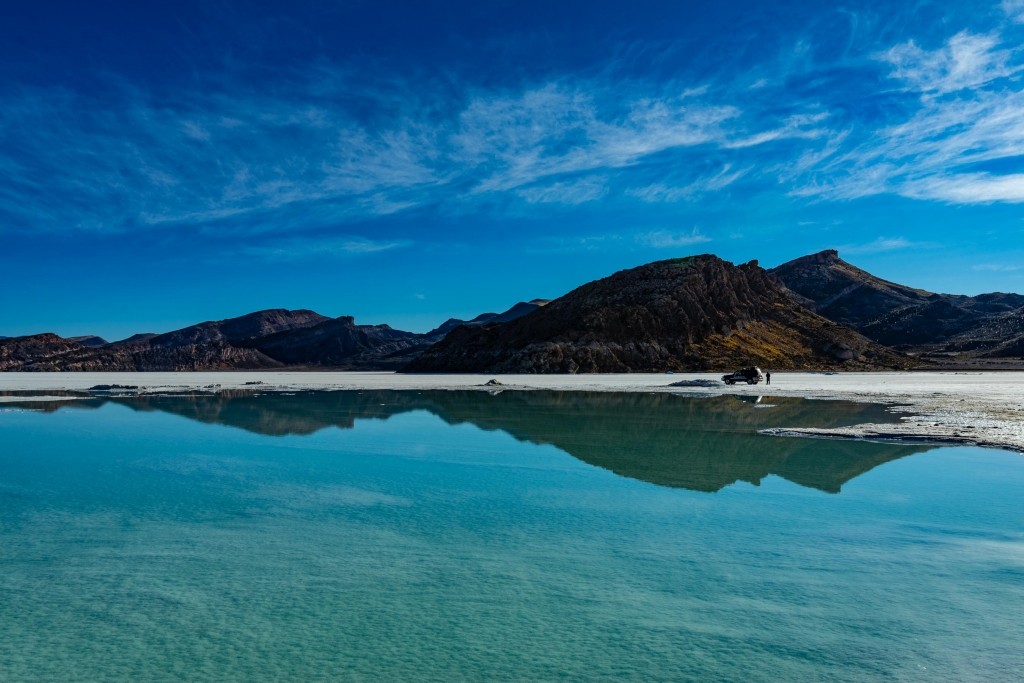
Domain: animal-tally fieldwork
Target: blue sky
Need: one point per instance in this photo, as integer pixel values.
(407, 162)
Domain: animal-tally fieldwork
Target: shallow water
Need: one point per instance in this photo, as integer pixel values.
(520, 536)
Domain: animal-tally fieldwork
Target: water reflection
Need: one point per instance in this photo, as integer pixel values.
(703, 444)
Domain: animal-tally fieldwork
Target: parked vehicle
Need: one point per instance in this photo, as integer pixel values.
(751, 375)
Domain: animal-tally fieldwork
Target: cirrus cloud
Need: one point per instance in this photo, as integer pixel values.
(667, 239)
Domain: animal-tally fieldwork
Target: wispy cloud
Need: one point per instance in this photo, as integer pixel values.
(969, 188)
(570, 192)
(883, 244)
(333, 145)
(135, 161)
(965, 61)
(521, 138)
(309, 248)
(970, 114)
(663, 192)
(1014, 10)
(129, 158)
(998, 267)
(794, 127)
(555, 244)
(666, 239)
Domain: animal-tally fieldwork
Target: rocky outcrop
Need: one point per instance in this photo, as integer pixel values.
(912, 320)
(697, 313)
(17, 352)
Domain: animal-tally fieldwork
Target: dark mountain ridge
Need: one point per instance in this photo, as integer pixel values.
(272, 338)
(911, 320)
(697, 313)
(90, 340)
(517, 311)
(240, 329)
(340, 343)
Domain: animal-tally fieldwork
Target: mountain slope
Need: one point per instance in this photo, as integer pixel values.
(844, 293)
(234, 330)
(342, 344)
(517, 311)
(684, 314)
(902, 317)
(90, 340)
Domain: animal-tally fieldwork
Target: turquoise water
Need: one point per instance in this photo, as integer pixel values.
(523, 536)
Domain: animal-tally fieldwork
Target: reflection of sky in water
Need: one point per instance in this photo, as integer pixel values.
(147, 546)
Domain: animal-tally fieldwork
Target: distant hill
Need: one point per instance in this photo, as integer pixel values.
(235, 330)
(913, 320)
(90, 340)
(136, 339)
(340, 343)
(272, 338)
(518, 311)
(697, 313)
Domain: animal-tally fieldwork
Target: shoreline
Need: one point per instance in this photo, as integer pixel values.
(971, 408)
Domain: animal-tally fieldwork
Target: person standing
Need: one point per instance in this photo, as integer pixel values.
(767, 378)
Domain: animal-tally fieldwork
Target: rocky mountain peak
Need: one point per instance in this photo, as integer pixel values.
(824, 257)
(843, 292)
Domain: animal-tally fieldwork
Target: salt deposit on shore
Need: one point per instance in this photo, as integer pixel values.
(980, 408)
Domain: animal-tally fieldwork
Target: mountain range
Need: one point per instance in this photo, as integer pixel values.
(910, 320)
(696, 313)
(274, 338)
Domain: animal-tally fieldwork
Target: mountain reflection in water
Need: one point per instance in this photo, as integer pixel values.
(703, 444)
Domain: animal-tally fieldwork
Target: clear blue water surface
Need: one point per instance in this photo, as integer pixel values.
(472, 537)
